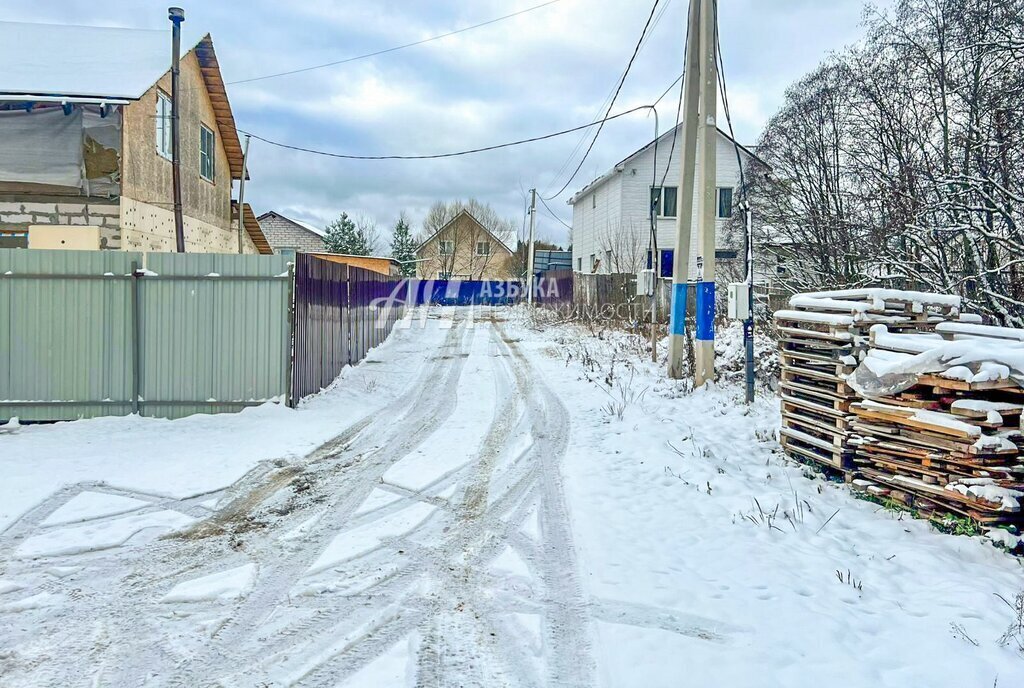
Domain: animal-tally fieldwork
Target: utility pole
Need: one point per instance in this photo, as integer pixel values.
(748, 324)
(241, 193)
(684, 216)
(704, 368)
(529, 260)
(177, 16)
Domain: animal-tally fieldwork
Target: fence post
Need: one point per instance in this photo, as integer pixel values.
(289, 351)
(136, 336)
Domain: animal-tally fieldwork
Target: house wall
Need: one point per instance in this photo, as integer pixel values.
(630, 209)
(282, 233)
(465, 264)
(146, 210)
(593, 218)
(19, 211)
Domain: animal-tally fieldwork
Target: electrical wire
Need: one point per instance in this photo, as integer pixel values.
(618, 90)
(394, 48)
(601, 108)
(482, 149)
(552, 213)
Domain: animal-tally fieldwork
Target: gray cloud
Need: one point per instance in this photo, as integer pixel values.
(539, 72)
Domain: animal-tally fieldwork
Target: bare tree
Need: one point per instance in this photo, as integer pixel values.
(902, 161)
(624, 247)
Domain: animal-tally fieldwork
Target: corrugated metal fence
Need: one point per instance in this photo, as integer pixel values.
(89, 333)
(341, 312)
(96, 333)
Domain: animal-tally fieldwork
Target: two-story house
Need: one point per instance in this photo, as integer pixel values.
(85, 126)
(465, 249)
(611, 216)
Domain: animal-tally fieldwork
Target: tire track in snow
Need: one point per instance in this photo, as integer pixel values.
(566, 625)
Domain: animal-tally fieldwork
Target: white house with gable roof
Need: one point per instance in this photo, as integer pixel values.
(611, 225)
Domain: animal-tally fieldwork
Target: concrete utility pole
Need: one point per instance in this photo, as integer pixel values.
(177, 16)
(529, 261)
(704, 368)
(241, 194)
(684, 216)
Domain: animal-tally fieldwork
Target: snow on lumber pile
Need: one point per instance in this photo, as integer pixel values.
(939, 426)
(822, 338)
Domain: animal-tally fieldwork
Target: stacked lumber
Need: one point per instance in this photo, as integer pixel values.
(949, 441)
(822, 339)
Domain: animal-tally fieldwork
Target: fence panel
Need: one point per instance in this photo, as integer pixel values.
(341, 312)
(84, 336)
(215, 333)
(65, 334)
(554, 290)
(465, 292)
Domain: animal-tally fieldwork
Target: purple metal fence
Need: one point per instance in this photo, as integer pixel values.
(340, 313)
(553, 289)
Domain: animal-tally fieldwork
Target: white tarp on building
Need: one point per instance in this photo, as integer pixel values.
(41, 147)
(51, 59)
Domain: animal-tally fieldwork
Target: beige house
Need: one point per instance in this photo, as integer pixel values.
(465, 249)
(86, 161)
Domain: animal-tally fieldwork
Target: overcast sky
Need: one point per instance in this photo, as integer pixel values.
(539, 72)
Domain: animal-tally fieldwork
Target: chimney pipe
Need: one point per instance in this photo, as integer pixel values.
(177, 16)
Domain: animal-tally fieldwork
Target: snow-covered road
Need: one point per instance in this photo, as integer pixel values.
(489, 503)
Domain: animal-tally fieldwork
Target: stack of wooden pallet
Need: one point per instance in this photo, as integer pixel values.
(822, 338)
(950, 443)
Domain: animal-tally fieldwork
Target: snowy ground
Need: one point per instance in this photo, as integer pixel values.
(467, 508)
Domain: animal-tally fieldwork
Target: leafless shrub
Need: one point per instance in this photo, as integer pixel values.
(850, 580)
(1014, 633)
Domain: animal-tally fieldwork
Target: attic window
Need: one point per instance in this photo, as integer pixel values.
(446, 247)
(163, 125)
(483, 248)
(206, 152)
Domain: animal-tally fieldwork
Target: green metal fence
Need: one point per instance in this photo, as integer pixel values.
(93, 333)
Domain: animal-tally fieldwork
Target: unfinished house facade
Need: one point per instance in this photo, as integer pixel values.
(85, 120)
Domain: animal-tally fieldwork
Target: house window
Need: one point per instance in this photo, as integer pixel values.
(579, 265)
(663, 200)
(163, 125)
(593, 200)
(725, 254)
(724, 202)
(446, 247)
(483, 248)
(287, 251)
(593, 262)
(443, 275)
(15, 239)
(206, 151)
(608, 261)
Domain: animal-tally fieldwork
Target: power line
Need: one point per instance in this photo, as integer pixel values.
(434, 156)
(579, 144)
(552, 213)
(395, 48)
(625, 74)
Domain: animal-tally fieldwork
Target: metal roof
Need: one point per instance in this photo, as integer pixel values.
(60, 60)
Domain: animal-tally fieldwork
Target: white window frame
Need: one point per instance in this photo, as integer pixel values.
(486, 245)
(718, 202)
(660, 210)
(444, 244)
(210, 155)
(163, 126)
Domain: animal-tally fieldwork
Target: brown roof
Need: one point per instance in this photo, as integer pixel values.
(252, 227)
(219, 99)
